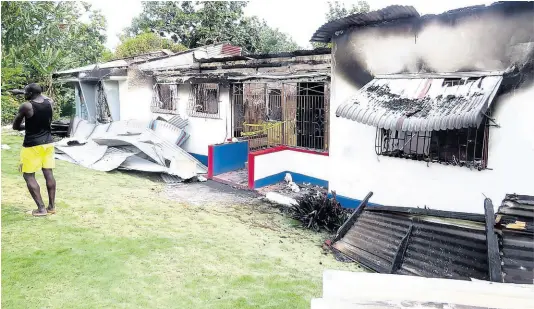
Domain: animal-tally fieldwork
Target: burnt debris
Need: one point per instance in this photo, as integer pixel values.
(515, 223)
(430, 243)
(318, 212)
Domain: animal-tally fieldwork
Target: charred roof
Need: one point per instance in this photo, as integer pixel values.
(396, 14)
(296, 53)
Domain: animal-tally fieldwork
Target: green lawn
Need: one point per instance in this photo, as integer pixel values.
(116, 242)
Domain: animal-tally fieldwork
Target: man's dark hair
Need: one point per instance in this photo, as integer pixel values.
(34, 88)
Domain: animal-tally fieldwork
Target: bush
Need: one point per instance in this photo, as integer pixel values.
(10, 107)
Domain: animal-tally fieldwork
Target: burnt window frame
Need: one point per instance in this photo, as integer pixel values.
(435, 148)
(196, 101)
(162, 105)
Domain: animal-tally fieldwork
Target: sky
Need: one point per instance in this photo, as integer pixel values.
(298, 18)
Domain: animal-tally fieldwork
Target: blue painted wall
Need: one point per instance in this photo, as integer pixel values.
(297, 178)
(229, 157)
(348, 202)
(202, 158)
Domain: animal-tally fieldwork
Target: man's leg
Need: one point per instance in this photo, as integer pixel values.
(51, 187)
(35, 192)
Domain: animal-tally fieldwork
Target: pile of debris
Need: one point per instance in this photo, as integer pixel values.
(443, 244)
(515, 229)
(147, 146)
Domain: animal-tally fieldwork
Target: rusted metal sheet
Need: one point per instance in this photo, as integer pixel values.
(421, 104)
(325, 33)
(515, 218)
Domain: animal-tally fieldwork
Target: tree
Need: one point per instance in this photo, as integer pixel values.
(41, 37)
(196, 23)
(145, 43)
(338, 10)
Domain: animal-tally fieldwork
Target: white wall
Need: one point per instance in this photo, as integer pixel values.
(308, 164)
(356, 169)
(205, 131)
(137, 99)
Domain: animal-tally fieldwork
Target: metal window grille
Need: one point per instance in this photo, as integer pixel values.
(291, 114)
(204, 101)
(103, 114)
(165, 99)
(466, 147)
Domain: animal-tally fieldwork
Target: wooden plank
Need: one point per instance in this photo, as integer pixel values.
(494, 260)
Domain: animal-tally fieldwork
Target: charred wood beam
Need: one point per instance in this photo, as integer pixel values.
(401, 250)
(350, 221)
(431, 212)
(494, 261)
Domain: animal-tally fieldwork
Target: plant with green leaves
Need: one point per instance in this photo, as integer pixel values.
(41, 37)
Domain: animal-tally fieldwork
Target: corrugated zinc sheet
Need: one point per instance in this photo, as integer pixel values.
(327, 31)
(422, 104)
(178, 121)
(515, 218)
(401, 243)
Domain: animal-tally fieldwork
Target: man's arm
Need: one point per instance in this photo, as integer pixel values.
(24, 110)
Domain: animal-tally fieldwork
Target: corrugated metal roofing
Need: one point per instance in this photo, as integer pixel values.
(515, 218)
(327, 31)
(420, 103)
(401, 243)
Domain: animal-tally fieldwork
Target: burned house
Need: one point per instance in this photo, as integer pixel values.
(119, 90)
(432, 110)
(271, 104)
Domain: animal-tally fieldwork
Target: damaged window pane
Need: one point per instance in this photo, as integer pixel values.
(463, 147)
(103, 115)
(165, 99)
(204, 101)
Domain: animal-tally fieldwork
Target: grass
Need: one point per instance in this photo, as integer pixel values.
(117, 242)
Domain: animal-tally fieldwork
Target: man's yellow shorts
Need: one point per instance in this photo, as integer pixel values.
(33, 159)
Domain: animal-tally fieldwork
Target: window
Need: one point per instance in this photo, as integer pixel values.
(275, 104)
(463, 147)
(103, 115)
(204, 101)
(310, 115)
(165, 99)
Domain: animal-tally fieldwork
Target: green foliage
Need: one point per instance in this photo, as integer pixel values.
(41, 37)
(144, 43)
(10, 107)
(195, 23)
(338, 10)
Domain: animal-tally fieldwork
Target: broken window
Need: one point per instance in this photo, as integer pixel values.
(204, 101)
(103, 115)
(165, 99)
(463, 147)
(83, 107)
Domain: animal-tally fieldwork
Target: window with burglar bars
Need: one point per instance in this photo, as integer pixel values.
(290, 114)
(466, 147)
(165, 99)
(204, 101)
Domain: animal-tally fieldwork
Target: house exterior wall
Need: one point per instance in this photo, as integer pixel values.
(205, 131)
(135, 104)
(487, 43)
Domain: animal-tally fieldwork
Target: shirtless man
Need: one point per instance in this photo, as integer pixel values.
(37, 150)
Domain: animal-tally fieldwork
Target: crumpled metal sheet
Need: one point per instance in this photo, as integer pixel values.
(127, 145)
